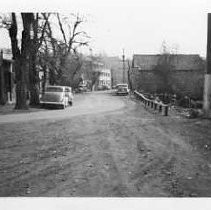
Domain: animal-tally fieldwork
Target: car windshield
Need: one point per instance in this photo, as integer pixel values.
(54, 89)
(122, 86)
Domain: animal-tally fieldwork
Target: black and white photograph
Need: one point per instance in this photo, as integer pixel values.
(105, 103)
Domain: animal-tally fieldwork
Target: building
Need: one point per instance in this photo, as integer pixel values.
(183, 74)
(104, 80)
(7, 78)
(116, 65)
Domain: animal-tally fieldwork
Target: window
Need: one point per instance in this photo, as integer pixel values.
(67, 90)
(54, 89)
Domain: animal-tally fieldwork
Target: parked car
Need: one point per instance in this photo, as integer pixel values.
(83, 88)
(57, 95)
(103, 87)
(122, 89)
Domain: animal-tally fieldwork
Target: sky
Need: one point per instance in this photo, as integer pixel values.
(137, 26)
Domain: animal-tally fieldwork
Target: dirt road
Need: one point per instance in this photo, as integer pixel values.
(104, 145)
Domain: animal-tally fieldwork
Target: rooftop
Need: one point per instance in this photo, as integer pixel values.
(178, 61)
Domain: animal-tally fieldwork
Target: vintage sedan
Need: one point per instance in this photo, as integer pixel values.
(57, 95)
(122, 89)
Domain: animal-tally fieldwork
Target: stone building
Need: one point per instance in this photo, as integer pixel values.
(182, 73)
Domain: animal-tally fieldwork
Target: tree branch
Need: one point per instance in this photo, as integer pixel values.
(61, 28)
(44, 29)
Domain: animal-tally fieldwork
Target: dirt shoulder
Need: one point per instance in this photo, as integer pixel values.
(9, 109)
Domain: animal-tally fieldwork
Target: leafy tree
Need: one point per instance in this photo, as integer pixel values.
(39, 26)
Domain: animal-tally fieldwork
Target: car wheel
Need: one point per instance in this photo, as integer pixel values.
(63, 106)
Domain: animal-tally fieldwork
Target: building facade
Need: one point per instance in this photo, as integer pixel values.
(116, 65)
(183, 74)
(104, 80)
(7, 78)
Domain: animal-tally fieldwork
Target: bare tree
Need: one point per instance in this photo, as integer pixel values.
(73, 37)
(39, 26)
(25, 57)
(91, 68)
(38, 40)
(64, 49)
(163, 70)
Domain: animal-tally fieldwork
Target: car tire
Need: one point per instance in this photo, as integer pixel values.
(63, 106)
(70, 103)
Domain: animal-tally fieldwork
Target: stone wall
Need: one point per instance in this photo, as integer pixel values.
(182, 82)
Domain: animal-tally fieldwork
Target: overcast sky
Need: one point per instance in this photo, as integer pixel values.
(138, 26)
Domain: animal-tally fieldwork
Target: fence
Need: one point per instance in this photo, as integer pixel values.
(163, 108)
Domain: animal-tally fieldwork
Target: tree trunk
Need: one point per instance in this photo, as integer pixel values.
(2, 87)
(33, 73)
(44, 79)
(52, 76)
(34, 81)
(21, 86)
(20, 58)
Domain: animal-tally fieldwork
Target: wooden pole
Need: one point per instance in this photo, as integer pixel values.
(123, 60)
(207, 82)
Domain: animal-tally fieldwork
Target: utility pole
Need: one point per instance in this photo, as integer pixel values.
(207, 82)
(123, 63)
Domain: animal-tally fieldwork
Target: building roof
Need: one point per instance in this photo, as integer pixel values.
(177, 61)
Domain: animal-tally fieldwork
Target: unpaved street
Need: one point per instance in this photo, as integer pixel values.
(104, 145)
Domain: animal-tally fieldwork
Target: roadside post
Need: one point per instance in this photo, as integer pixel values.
(207, 82)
